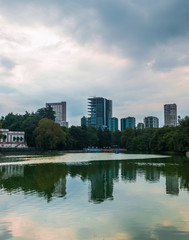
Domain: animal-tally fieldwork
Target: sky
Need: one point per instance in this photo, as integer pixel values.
(135, 53)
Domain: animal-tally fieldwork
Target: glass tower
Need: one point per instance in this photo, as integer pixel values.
(100, 111)
(128, 122)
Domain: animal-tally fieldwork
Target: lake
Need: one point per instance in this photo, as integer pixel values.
(94, 196)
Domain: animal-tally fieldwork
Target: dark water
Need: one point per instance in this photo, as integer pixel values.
(78, 197)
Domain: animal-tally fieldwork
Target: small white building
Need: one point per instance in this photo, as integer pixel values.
(12, 139)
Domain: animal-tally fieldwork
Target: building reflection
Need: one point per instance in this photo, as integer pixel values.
(60, 188)
(172, 184)
(128, 172)
(152, 174)
(101, 182)
(8, 171)
(50, 180)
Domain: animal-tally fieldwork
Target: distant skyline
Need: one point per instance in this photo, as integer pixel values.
(135, 53)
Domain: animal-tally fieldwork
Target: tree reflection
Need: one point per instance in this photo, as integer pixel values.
(50, 180)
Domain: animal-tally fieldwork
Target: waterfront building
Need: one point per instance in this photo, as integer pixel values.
(60, 112)
(151, 122)
(100, 111)
(170, 115)
(113, 124)
(12, 139)
(128, 122)
(140, 126)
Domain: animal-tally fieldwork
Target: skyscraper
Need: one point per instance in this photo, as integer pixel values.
(140, 126)
(84, 121)
(128, 122)
(170, 114)
(151, 122)
(60, 112)
(113, 124)
(100, 111)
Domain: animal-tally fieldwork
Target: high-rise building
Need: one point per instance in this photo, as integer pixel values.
(100, 111)
(113, 124)
(140, 126)
(84, 121)
(151, 122)
(170, 114)
(60, 112)
(128, 122)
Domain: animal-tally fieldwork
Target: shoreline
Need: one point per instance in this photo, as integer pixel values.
(9, 152)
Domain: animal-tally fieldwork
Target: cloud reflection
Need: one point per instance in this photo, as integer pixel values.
(24, 227)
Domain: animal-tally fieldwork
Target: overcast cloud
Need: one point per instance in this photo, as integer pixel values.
(133, 52)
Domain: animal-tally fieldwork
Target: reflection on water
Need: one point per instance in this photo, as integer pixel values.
(49, 180)
(132, 196)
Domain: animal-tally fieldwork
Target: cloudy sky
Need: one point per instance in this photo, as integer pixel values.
(134, 52)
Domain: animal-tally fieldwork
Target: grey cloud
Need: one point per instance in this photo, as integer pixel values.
(135, 27)
(144, 22)
(7, 63)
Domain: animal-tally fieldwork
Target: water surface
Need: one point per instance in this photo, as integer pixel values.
(94, 196)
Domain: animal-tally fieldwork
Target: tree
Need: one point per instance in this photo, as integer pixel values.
(116, 138)
(46, 112)
(0, 130)
(92, 136)
(181, 136)
(49, 135)
(105, 137)
(79, 136)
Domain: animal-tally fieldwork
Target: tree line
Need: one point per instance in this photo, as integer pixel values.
(41, 131)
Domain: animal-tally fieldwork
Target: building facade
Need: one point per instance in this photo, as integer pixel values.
(151, 122)
(140, 126)
(84, 121)
(113, 124)
(60, 112)
(128, 122)
(100, 111)
(170, 115)
(12, 139)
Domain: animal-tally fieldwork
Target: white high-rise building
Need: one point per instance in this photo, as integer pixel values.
(60, 112)
(170, 114)
(151, 122)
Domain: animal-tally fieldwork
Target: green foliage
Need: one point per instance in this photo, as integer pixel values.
(49, 135)
(0, 130)
(105, 138)
(27, 122)
(181, 137)
(75, 138)
(116, 138)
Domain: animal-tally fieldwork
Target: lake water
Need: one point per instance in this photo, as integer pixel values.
(94, 196)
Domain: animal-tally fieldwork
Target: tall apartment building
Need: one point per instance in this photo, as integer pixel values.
(151, 122)
(128, 122)
(113, 124)
(84, 121)
(170, 115)
(140, 126)
(60, 112)
(100, 111)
